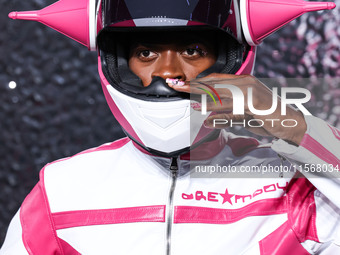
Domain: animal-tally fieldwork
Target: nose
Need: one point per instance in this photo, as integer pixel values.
(169, 66)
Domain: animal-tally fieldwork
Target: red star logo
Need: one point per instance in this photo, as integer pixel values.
(227, 197)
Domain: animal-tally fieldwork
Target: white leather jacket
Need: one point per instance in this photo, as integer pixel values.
(117, 199)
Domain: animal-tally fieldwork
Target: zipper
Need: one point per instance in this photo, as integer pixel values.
(174, 173)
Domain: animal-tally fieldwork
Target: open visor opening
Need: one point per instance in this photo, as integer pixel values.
(115, 43)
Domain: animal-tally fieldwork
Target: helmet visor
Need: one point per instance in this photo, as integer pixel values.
(213, 13)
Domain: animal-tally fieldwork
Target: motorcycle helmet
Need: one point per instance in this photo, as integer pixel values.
(156, 117)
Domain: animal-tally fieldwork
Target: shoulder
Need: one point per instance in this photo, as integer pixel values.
(70, 182)
(88, 158)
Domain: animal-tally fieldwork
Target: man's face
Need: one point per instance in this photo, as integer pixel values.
(177, 55)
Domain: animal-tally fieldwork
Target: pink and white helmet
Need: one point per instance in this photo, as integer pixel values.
(157, 117)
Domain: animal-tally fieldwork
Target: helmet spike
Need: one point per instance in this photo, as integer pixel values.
(260, 18)
(29, 15)
(319, 6)
(69, 17)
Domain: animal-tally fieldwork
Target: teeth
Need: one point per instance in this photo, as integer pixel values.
(174, 82)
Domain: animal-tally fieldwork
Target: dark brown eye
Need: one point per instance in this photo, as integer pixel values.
(145, 53)
(191, 52)
(194, 52)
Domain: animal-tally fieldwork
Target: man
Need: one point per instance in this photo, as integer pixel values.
(136, 196)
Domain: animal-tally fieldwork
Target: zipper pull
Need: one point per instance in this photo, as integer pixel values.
(174, 165)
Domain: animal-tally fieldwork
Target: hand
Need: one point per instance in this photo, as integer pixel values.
(262, 96)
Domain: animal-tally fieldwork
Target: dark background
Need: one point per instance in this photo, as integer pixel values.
(57, 108)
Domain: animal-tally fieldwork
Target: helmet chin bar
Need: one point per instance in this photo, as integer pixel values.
(165, 126)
